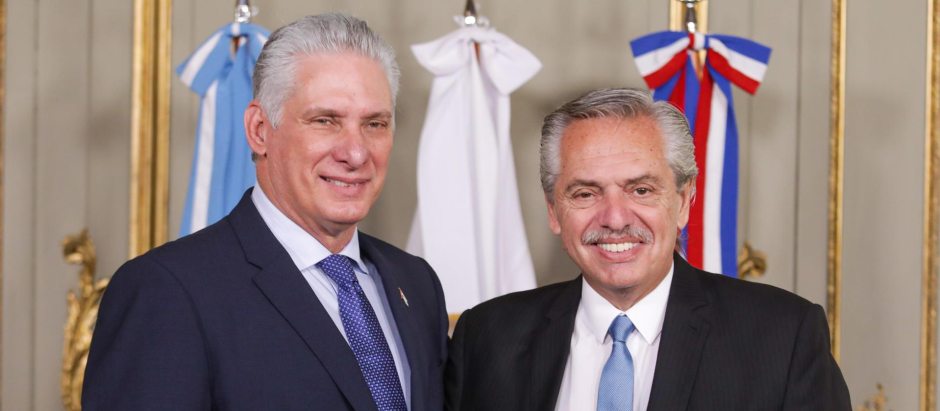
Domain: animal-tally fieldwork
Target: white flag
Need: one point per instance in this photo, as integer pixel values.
(468, 224)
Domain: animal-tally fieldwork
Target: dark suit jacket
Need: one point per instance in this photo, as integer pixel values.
(223, 320)
(726, 344)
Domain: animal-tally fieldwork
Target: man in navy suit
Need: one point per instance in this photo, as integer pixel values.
(283, 304)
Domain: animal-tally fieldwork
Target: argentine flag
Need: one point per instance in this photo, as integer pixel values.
(222, 166)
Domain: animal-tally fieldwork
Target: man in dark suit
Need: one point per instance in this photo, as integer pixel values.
(283, 304)
(640, 329)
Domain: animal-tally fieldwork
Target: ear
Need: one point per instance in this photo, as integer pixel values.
(553, 223)
(257, 128)
(686, 204)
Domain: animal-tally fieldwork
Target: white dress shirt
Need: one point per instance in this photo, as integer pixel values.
(591, 346)
(306, 252)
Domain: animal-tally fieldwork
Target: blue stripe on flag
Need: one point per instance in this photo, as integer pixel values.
(209, 72)
(187, 220)
(685, 236)
(241, 173)
(729, 186)
(220, 158)
(746, 47)
(692, 89)
(664, 91)
(654, 41)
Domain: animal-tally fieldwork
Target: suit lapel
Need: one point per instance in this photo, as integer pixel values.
(685, 330)
(550, 348)
(393, 279)
(286, 289)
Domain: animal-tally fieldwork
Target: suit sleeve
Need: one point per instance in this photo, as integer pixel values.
(815, 381)
(454, 372)
(148, 351)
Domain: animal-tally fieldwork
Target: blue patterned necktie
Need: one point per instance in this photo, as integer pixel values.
(365, 335)
(616, 388)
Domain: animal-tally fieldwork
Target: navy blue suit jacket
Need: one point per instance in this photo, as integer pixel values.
(223, 320)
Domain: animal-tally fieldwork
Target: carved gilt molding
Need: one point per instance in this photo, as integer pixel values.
(82, 314)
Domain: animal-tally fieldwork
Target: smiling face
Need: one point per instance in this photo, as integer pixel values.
(616, 206)
(325, 164)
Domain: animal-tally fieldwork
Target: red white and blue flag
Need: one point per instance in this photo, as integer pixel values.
(665, 60)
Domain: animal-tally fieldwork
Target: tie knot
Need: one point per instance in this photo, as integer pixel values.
(620, 328)
(339, 268)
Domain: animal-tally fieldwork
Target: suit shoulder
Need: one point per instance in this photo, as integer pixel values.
(214, 241)
(520, 305)
(755, 300)
(390, 251)
(206, 256)
(141, 275)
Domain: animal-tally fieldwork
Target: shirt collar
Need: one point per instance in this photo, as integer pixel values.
(647, 315)
(303, 248)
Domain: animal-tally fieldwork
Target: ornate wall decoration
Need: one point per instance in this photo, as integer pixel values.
(876, 403)
(752, 264)
(83, 313)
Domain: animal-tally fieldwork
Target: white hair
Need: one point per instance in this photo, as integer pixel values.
(624, 103)
(330, 33)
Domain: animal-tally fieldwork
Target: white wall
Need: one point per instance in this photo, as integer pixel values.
(67, 163)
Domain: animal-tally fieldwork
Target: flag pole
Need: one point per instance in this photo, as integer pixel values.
(243, 11)
(243, 14)
(470, 19)
(691, 26)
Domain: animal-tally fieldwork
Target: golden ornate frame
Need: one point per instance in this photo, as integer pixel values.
(150, 125)
(931, 255)
(836, 168)
(3, 65)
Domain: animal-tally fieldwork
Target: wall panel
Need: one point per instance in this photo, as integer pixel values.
(883, 199)
(19, 215)
(67, 157)
(63, 121)
(812, 151)
(111, 46)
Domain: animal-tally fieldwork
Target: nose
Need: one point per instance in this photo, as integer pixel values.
(616, 213)
(351, 149)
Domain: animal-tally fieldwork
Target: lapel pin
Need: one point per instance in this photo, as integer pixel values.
(403, 298)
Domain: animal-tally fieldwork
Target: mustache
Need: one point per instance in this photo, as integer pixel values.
(593, 236)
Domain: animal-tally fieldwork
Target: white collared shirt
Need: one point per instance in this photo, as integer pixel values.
(591, 346)
(306, 252)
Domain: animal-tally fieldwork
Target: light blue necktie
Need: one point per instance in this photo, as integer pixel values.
(616, 388)
(365, 335)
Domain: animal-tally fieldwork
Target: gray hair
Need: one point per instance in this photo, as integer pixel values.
(624, 103)
(330, 33)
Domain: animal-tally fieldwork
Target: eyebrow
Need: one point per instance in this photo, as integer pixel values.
(581, 183)
(379, 115)
(328, 112)
(633, 181)
(643, 179)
